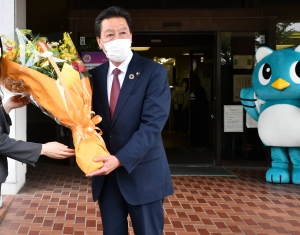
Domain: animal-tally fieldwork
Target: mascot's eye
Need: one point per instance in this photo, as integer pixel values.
(295, 72)
(264, 74)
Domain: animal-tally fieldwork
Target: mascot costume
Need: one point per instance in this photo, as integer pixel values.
(274, 102)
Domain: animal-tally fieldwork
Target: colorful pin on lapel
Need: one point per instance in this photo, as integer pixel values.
(131, 76)
(137, 73)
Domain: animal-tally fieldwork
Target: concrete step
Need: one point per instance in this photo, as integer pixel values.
(6, 202)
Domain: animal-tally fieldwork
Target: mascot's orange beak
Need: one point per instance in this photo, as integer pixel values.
(280, 84)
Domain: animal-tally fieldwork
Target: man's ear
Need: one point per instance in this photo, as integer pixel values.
(99, 43)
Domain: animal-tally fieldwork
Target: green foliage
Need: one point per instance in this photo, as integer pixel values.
(48, 70)
(225, 48)
(283, 34)
(91, 45)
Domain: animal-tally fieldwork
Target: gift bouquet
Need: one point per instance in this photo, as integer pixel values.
(54, 78)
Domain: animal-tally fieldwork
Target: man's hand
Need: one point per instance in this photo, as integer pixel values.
(57, 150)
(110, 163)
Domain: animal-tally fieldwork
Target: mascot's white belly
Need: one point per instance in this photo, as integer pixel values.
(279, 125)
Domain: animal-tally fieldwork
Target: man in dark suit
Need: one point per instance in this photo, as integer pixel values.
(135, 178)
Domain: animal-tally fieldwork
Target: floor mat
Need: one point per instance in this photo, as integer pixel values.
(181, 156)
(199, 171)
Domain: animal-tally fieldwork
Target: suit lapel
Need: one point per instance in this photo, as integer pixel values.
(132, 75)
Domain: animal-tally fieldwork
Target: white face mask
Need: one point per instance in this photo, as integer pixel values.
(117, 50)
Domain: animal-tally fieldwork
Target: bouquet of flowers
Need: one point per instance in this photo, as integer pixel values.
(55, 79)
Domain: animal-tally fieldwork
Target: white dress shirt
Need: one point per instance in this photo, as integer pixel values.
(123, 69)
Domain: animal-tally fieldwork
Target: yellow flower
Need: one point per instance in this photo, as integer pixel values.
(10, 55)
(73, 50)
(9, 41)
(62, 47)
(65, 55)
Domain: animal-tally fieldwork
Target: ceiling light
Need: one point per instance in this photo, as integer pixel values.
(140, 48)
(295, 35)
(193, 53)
(279, 47)
(155, 40)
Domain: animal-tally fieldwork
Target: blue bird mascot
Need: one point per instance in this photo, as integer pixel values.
(274, 102)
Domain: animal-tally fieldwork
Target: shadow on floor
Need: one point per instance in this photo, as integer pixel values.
(200, 171)
(183, 162)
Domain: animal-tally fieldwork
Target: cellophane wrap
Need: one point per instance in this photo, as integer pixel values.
(66, 99)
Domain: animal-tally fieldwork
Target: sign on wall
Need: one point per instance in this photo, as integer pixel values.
(93, 59)
(233, 118)
(242, 61)
(239, 82)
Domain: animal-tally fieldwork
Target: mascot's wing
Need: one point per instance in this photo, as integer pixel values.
(250, 102)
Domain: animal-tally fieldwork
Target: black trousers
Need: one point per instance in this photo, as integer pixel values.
(147, 219)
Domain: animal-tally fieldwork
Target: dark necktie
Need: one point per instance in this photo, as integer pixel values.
(115, 90)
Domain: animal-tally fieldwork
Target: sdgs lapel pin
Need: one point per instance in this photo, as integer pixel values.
(131, 76)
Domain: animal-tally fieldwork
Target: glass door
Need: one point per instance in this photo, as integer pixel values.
(201, 99)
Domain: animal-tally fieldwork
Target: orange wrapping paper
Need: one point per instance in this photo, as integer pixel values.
(70, 105)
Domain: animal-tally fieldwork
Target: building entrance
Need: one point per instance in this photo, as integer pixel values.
(189, 59)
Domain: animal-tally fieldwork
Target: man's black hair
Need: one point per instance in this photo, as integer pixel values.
(186, 80)
(112, 12)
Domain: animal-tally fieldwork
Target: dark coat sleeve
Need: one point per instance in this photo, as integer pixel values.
(25, 152)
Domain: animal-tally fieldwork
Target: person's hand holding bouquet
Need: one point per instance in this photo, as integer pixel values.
(55, 79)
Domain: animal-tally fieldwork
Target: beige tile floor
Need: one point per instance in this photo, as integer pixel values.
(57, 200)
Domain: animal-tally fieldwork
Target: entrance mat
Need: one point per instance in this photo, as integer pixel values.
(200, 171)
(179, 156)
